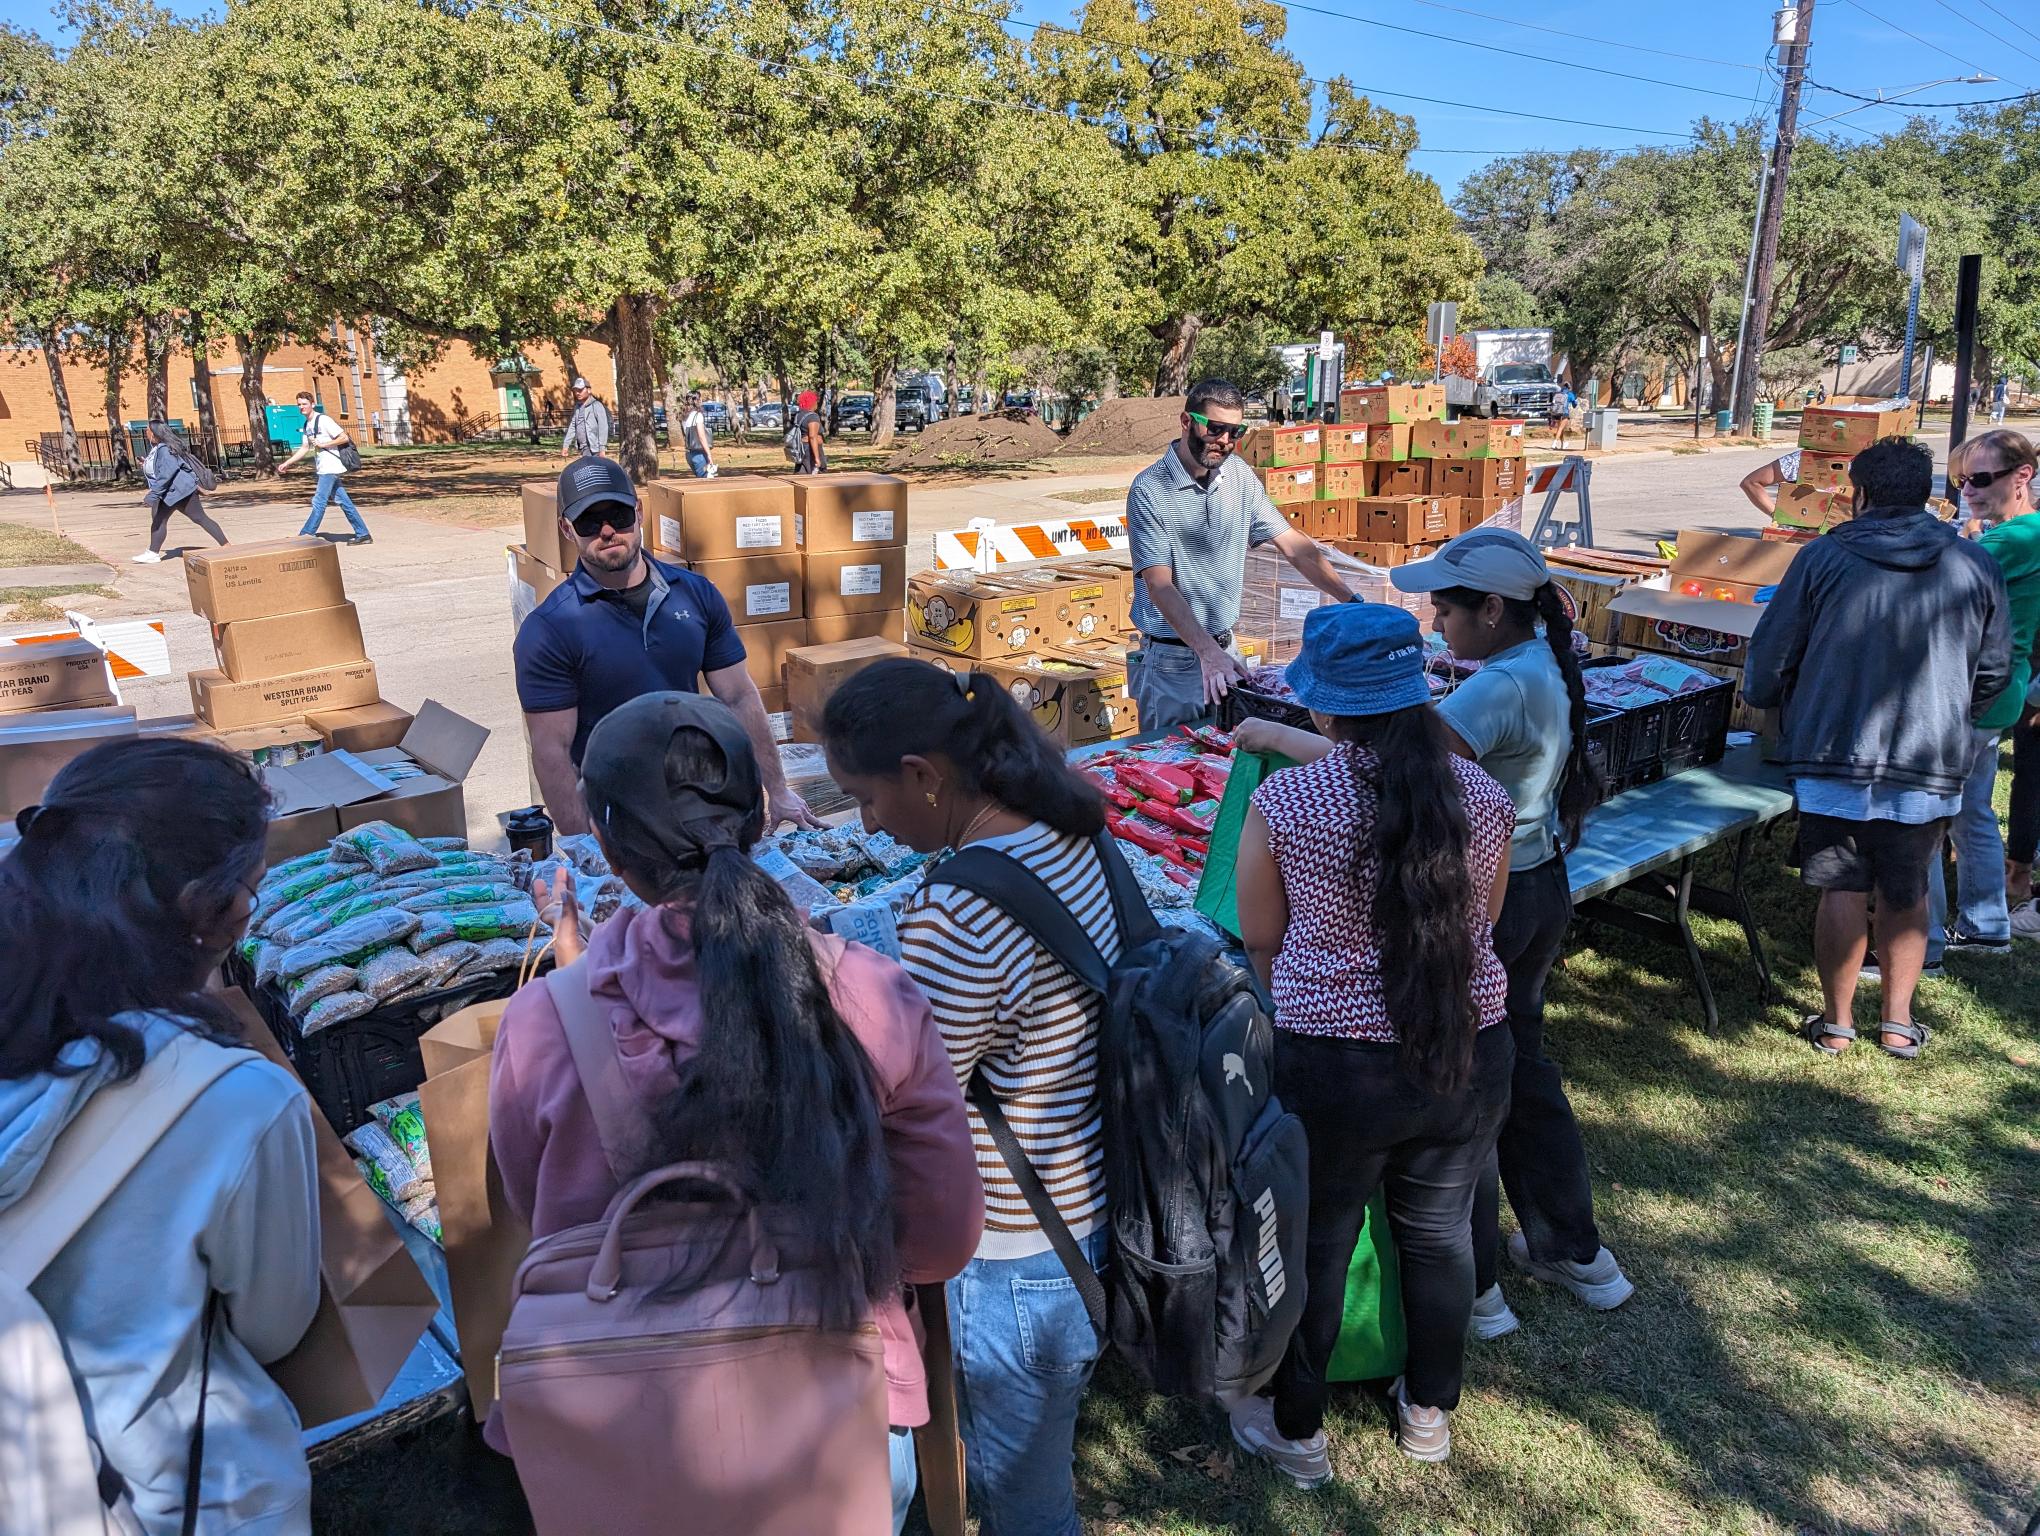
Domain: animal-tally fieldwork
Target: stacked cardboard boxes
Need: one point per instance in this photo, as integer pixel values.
(1830, 436)
(287, 640)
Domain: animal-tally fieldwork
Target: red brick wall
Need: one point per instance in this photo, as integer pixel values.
(456, 389)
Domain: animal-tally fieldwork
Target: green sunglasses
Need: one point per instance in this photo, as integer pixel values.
(1234, 429)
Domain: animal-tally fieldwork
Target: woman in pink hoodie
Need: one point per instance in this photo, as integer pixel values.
(811, 1063)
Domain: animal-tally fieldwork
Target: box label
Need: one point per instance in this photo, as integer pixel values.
(768, 597)
(1016, 605)
(1295, 602)
(871, 527)
(861, 581)
(800, 527)
(669, 533)
(759, 532)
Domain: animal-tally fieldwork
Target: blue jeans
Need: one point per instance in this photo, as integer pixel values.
(698, 462)
(1024, 1353)
(906, 1476)
(330, 489)
(1980, 907)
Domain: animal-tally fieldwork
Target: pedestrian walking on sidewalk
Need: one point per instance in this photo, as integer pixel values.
(334, 455)
(173, 476)
(588, 428)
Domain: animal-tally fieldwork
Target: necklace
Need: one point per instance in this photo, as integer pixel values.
(990, 808)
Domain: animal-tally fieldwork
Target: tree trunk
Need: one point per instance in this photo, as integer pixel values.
(1719, 367)
(1108, 389)
(949, 382)
(201, 385)
(977, 387)
(675, 386)
(255, 400)
(885, 402)
(1179, 344)
(156, 342)
(67, 425)
(637, 444)
(118, 350)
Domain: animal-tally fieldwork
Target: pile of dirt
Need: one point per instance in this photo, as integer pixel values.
(977, 440)
(1126, 427)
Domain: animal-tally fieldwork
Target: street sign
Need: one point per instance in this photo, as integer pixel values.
(1442, 320)
(1848, 355)
(1912, 246)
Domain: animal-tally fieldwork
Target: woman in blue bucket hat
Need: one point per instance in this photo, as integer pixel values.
(1368, 882)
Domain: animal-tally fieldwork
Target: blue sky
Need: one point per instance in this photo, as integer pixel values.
(1655, 67)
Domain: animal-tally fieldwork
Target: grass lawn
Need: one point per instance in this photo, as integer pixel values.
(1836, 1326)
(23, 545)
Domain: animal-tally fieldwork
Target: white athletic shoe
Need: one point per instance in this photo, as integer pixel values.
(1424, 1434)
(1600, 1284)
(1491, 1315)
(1306, 1463)
(147, 557)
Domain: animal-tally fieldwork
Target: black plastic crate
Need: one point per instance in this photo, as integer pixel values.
(1245, 704)
(1696, 726)
(1607, 744)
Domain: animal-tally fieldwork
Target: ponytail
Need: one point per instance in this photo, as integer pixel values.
(1579, 787)
(1423, 889)
(904, 708)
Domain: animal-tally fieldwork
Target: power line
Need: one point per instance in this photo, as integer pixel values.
(1894, 103)
(1901, 31)
(1986, 31)
(2020, 26)
(1605, 42)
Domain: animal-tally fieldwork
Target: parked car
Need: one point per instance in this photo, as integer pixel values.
(853, 413)
(769, 416)
(717, 415)
(913, 409)
(1017, 400)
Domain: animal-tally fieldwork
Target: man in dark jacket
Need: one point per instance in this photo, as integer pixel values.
(1885, 640)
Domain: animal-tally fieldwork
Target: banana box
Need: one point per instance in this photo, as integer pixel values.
(1076, 694)
(982, 618)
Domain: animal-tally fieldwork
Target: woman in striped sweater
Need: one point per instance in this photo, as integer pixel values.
(941, 762)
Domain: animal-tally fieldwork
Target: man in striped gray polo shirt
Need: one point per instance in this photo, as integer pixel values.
(1190, 519)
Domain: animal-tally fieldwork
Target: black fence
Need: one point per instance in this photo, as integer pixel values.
(110, 456)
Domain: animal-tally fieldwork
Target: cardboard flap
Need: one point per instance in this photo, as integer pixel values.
(1732, 557)
(328, 781)
(446, 743)
(1739, 619)
(461, 1037)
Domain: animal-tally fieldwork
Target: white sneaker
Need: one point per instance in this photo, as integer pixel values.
(1600, 1284)
(1306, 1463)
(1491, 1315)
(2026, 920)
(1424, 1434)
(147, 557)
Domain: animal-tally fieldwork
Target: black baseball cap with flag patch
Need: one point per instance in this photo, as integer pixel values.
(593, 481)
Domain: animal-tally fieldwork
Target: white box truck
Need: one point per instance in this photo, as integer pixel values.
(1514, 375)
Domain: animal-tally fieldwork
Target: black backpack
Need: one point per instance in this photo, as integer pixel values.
(1208, 1177)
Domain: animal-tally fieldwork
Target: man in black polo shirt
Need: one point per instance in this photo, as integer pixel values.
(624, 625)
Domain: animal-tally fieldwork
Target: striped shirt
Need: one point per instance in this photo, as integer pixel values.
(1004, 1004)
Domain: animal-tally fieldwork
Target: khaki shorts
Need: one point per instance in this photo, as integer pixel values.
(1168, 686)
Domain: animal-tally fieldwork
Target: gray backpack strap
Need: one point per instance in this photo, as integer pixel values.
(618, 1120)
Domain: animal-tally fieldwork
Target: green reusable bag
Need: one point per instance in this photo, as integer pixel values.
(1371, 1339)
(1216, 898)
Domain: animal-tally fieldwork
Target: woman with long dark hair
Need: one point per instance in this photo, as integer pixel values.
(1523, 717)
(807, 1064)
(132, 880)
(1368, 880)
(944, 762)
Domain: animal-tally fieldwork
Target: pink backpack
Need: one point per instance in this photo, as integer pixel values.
(724, 1408)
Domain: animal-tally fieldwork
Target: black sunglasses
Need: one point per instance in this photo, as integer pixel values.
(1228, 429)
(1984, 479)
(612, 514)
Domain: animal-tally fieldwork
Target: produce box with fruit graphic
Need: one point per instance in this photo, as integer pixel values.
(980, 617)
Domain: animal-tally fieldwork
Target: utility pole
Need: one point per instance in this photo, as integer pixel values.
(1751, 354)
(1968, 280)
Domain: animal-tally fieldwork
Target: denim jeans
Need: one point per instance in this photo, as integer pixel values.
(1539, 1155)
(330, 489)
(1024, 1353)
(1980, 908)
(697, 461)
(906, 1476)
(1372, 1126)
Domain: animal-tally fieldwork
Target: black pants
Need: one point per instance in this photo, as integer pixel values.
(191, 507)
(1371, 1126)
(2023, 837)
(1541, 1158)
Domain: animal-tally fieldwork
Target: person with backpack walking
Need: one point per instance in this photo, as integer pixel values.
(695, 437)
(176, 477)
(334, 455)
(713, 1028)
(941, 763)
(804, 445)
(158, 1190)
(1368, 881)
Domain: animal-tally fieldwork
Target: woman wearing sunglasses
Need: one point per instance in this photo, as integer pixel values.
(622, 626)
(1190, 519)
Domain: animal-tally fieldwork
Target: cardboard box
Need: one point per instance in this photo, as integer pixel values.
(1386, 556)
(826, 628)
(543, 537)
(253, 581)
(778, 718)
(432, 804)
(765, 648)
(1337, 482)
(225, 704)
(1338, 519)
(1413, 478)
(1586, 596)
(960, 614)
(1388, 443)
(849, 512)
(1475, 510)
(1075, 698)
(1346, 442)
(1825, 471)
(1380, 405)
(1849, 429)
(1470, 437)
(253, 649)
(54, 674)
(531, 583)
(764, 589)
(870, 580)
(1698, 624)
(1406, 519)
(1728, 567)
(1089, 605)
(659, 506)
(815, 672)
(274, 745)
(33, 747)
(732, 517)
(1118, 580)
(1809, 507)
(1485, 479)
(1298, 483)
(361, 729)
(1282, 447)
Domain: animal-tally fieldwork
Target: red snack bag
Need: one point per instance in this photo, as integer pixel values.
(1144, 834)
(1171, 786)
(1211, 775)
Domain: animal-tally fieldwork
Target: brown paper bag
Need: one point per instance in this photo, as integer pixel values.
(485, 1240)
(373, 1303)
(938, 1447)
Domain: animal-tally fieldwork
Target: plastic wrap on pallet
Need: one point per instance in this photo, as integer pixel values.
(1275, 597)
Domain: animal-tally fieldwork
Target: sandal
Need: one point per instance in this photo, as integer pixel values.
(1818, 1030)
(1917, 1034)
